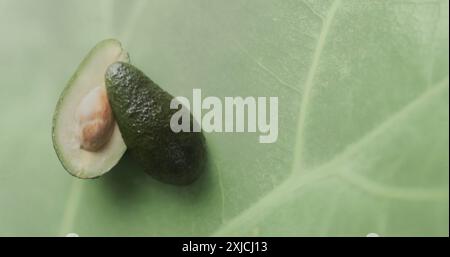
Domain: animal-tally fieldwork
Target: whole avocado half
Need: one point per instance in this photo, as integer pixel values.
(142, 111)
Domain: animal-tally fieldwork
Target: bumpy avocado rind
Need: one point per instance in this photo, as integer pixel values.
(142, 110)
(90, 74)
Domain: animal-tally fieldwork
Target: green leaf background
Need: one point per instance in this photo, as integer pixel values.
(363, 117)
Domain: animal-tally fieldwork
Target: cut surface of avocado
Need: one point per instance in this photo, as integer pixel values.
(85, 135)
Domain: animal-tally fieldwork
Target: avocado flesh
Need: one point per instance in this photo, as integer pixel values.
(142, 111)
(89, 75)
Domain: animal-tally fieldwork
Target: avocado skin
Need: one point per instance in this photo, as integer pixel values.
(142, 111)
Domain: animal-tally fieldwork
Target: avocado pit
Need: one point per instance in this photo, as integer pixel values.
(95, 120)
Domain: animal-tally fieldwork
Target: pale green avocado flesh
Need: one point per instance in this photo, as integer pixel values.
(89, 75)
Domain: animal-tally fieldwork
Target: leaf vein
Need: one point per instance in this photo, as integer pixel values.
(277, 195)
(392, 192)
(265, 68)
(309, 84)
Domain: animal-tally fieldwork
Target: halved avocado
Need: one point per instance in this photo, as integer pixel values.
(86, 145)
(143, 112)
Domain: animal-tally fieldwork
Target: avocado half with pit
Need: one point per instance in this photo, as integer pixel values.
(85, 134)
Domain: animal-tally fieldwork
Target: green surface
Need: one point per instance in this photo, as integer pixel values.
(363, 117)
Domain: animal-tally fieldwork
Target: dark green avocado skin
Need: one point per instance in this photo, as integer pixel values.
(142, 111)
